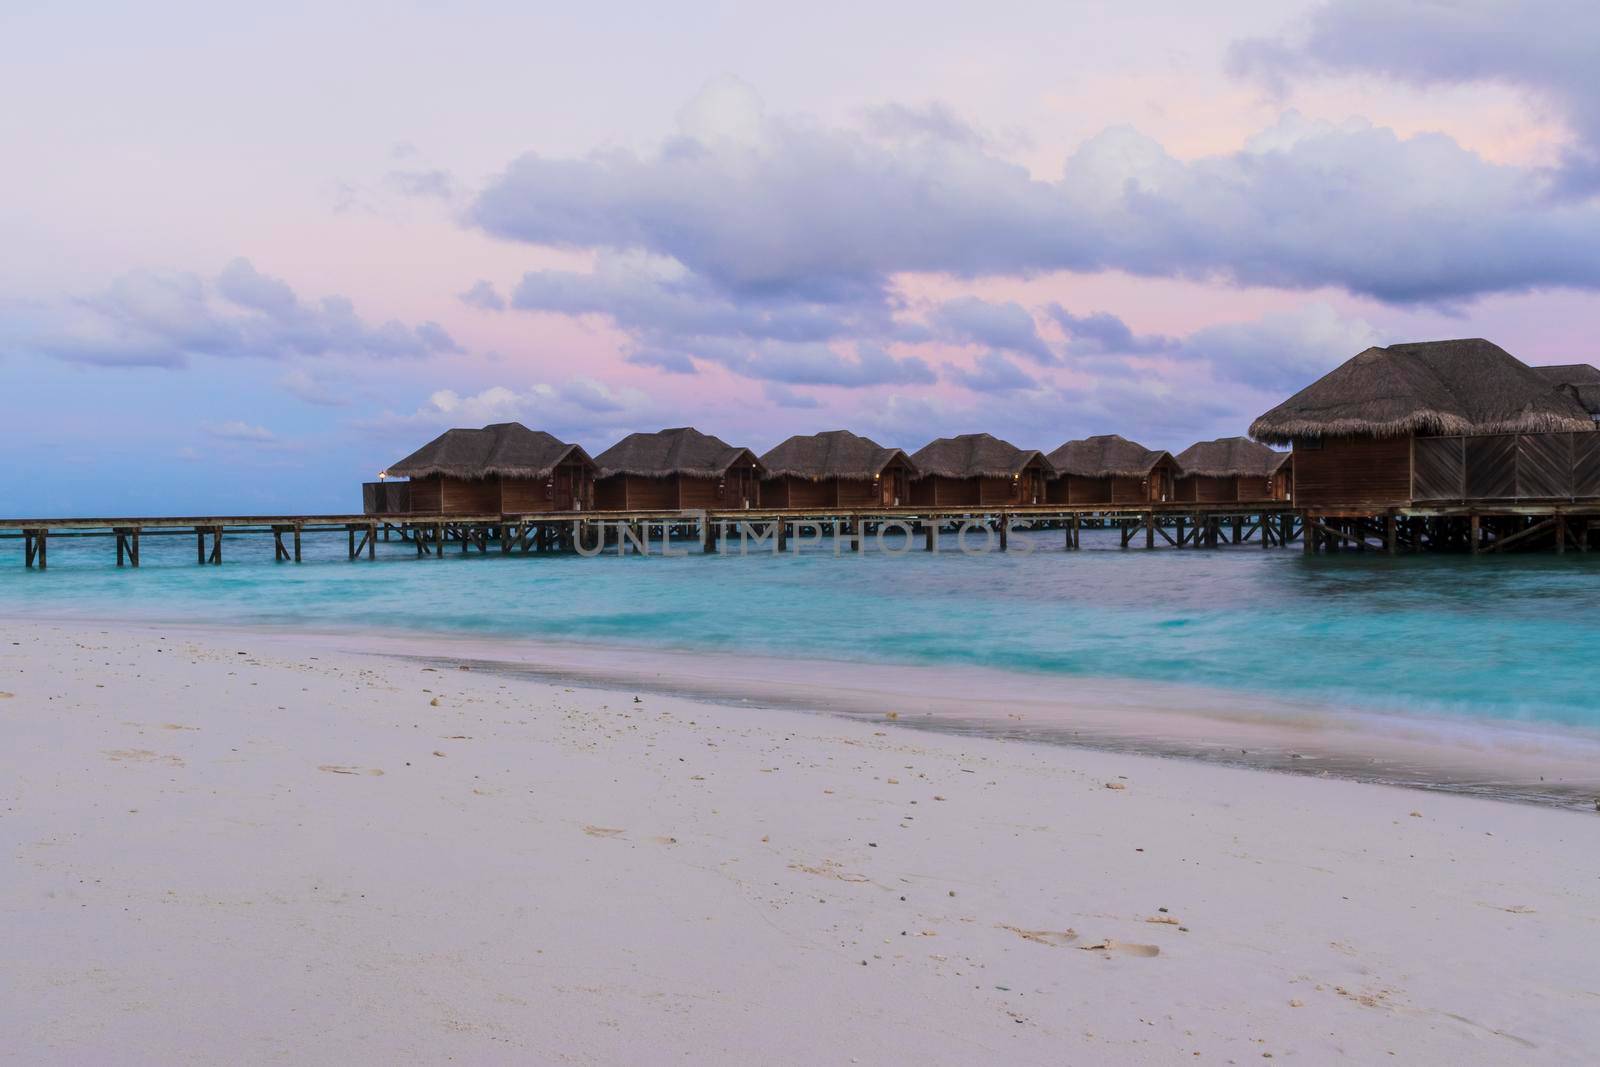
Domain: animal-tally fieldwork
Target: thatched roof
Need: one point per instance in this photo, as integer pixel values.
(1106, 455)
(833, 454)
(505, 449)
(976, 455)
(1431, 387)
(683, 450)
(1581, 381)
(1228, 457)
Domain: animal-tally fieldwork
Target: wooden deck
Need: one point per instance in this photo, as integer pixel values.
(1478, 527)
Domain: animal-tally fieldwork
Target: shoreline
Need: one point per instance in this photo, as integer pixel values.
(1540, 763)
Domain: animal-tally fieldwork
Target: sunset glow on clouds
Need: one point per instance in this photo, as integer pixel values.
(262, 257)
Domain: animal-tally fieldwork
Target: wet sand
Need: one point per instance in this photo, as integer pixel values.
(258, 847)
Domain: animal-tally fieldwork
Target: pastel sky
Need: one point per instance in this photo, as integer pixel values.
(255, 254)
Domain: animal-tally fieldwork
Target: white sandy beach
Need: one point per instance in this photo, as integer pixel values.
(242, 848)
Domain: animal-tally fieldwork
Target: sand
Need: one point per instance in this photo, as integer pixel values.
(252, 848)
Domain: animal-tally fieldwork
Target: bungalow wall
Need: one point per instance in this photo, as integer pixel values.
(1199, 489)
(1353, 472)
(859, 492)
(1283, 482)
(937, 491)
(631, 492)
(569, 486)
(1078, 489)
(455, 496)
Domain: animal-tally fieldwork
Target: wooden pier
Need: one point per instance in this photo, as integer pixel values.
(1560, 527)
(588, 533)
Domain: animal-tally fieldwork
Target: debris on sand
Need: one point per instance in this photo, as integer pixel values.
(602, 831)
(1116, 785)
(1054, 938)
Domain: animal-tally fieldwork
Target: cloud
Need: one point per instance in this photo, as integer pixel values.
(752, 206)
(150, 318)
(784, 397)
(1282, 351)
(993, 373)
(1101, 333)
(484, 296)
(240, 431)
(676, 318)
(301, 384)
(1548, 48)
(425, 183)
(576, 408)
(1009, 326)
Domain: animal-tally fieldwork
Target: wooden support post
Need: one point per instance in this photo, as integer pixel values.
(1265, 521)
(1178, 525)
(1149, 529)
(708, 536)
(1077, 531)
(782, 534)
(297, 542)
(216, 545)
(858, 534)
(1561, 533)
(1238, 529)
(200, 545)
(1391, 535)
(372, 541)
(121, 546)
(930, 534)
(1474, 535)
(35, 548)
(1308, 533)
(350, 533)
(1005, 530)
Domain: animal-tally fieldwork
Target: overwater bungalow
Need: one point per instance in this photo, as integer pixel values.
(1435, 420)
(1226, 471)
(1110, 469)
(835, 469)
(505, 468)
(1581, 381)
(977, 469)
(676, 468)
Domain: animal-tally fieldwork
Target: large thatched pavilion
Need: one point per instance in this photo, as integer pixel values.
(1371, 431)
(835, 469)
(1226, 471)
(976, 469)
(676, 468)
(1110, 469)
(505, 468)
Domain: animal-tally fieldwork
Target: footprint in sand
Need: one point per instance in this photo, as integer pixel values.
(830, 869)
(1121, 948)
(141, 755)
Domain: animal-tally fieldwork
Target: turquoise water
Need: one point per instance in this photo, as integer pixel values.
(1511, 638)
